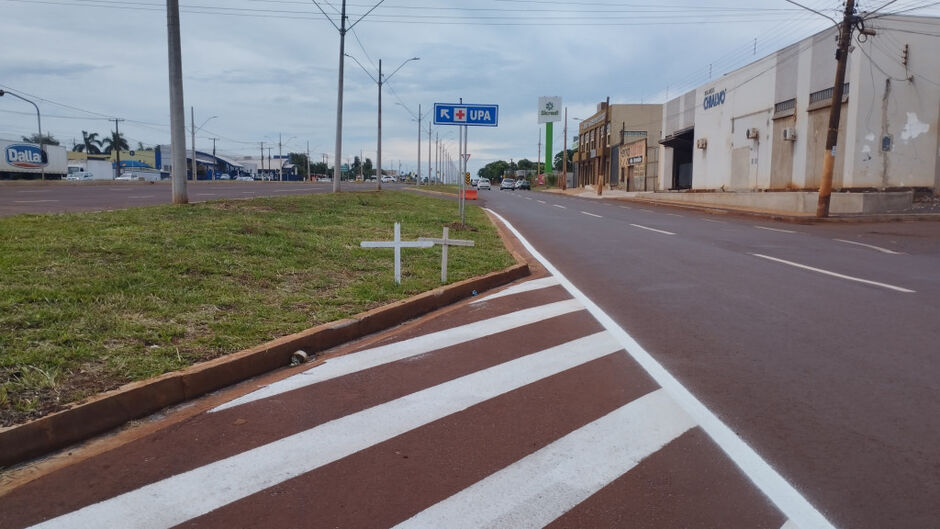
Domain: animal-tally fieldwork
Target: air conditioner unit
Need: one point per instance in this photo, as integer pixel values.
(752, 134)
(701, 143)
(789, 134)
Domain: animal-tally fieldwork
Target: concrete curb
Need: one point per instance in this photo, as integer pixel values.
(139, 399)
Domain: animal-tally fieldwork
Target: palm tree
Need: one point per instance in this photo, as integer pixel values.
(90, 143)
(115, 141)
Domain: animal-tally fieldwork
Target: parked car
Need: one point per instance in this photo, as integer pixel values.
(244, 178)
(483, 183)
(507, 183)
(523, 184)
(81, 175)
(388, 179)
(126, 177)
(324, 179)
(225, 176)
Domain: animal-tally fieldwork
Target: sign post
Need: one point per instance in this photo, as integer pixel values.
(465, 115)
(549, 112)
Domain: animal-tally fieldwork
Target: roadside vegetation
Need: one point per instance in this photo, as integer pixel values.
(91, 301)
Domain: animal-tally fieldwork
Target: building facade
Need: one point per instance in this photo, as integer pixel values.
(618, 147)
(764, 126)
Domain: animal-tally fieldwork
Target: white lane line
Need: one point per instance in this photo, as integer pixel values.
(542, 486)
(675, 215)
(174, 500)
(528, 286)
(652, 229)
(625, 207)
(33, 201)
(541, 201)
(248, 192)
(872, 246)
(351, 363)
(559, 206)
(591, 214)
(715, 221)
(789, 525)
(769, 481)
(141, 196)
(206, 194)
(774, 229)
(834, 274)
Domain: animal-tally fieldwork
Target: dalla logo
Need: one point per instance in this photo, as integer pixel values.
(24, 156)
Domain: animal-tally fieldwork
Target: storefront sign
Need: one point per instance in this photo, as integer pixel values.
(633, 160)
(713, 99)
(24, 156)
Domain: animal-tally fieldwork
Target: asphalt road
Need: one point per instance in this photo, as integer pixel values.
(817, 344)
(63, 197)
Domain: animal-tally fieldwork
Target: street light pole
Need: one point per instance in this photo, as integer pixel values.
(192, 121)
(564, 156)
(42, 152)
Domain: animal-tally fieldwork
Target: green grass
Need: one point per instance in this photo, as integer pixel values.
(450, 189)
(93, 300)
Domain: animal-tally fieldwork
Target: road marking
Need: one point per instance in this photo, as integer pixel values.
(769, 481)
(713, 220)
(834, 274)
(872, 246)
(528, 286)
(774, 229)
(674, 215)
(32, 191)
(625, 207)
(248, 192)
(652, 229)
(789, 525)
(544, 485)
(591, 214)
(559, 206)
(33, 201)
(648, 210)
(351, 363)
(206, 194)
(541, 201)
(141, 196)
(185, 496)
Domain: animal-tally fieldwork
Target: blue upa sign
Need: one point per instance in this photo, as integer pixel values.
(466, 114)
(713, 99)
(24, 156)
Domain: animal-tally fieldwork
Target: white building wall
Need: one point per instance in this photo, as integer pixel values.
(898, 102)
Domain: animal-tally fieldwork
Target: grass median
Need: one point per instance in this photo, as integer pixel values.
(91, 301)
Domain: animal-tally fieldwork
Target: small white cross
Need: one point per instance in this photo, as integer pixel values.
(445, 242)
(397, 244)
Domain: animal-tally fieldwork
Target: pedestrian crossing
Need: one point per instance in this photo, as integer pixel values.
(515, 410)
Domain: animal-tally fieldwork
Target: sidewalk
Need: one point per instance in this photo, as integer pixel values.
(924, 209)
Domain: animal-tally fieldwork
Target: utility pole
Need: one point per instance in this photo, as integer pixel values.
(269, 159)
(262, 160)
(601, 176)
(192, 121)
(378, 153)
(538, 157)
(308, 160)
(339, 100)
(419, 143)
(117, 148)
(215, 161)
(437, 154)
(564, 156)
(280, 160)
(429, 152)
(177, 110)
(835, 112)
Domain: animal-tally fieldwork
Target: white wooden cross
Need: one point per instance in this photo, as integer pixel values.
(397, 244)
(445, 242)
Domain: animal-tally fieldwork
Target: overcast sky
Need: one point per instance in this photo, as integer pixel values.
(269, 67)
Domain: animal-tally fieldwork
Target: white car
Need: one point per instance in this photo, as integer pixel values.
(244, 178)
(81, 175)
(225, 176)
(483, 183)
(388, 179)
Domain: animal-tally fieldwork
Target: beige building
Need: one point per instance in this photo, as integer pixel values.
(618, 147)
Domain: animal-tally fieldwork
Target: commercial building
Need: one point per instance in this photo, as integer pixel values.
(764, 126)
(617, 147)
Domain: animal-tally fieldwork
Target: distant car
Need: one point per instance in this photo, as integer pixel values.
(388, 179)
(81, 175)
(126, 177)
(507, 183)
(225, 176)
(244, 178)
(474, 181)
(324, 179)
(483, 183)
(523, 184)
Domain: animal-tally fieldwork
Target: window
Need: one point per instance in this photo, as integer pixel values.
(790, 104)
(823, 95)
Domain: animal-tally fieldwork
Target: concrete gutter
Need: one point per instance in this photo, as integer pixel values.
(110, 410)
